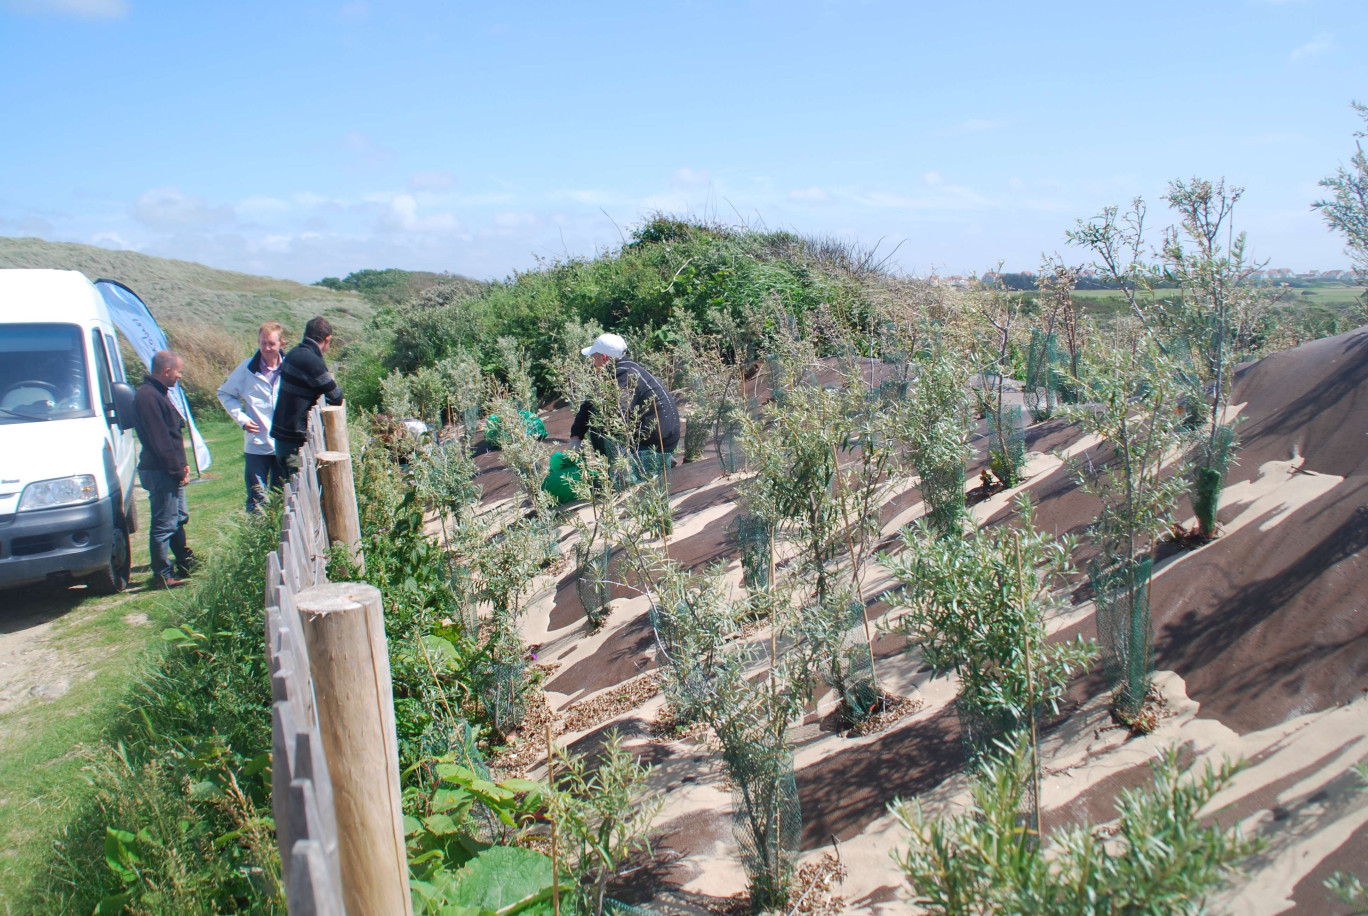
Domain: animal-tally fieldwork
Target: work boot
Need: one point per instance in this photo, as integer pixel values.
(167, 582)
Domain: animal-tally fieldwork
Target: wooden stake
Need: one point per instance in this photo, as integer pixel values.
(344, 630)
(551, 783)
(338, 492)
(335, 428)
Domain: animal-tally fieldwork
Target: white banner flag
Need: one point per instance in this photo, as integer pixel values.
(134, 320)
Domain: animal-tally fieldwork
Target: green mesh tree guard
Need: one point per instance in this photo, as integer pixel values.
(613, 907)
(779, 384)
(545, 540)
(470, 419)
(850, 669)
(696, 432)
(494, 428)
(592, 583)
(942, 489)
(767, 821)
(1007, 444)
(753, 537)
(1210, 462)
(652, 469)
(729, 452)
(1121, 598)
(504, 694)
(1041, 389)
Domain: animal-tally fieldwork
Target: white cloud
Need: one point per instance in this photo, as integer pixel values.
(970, 126)
(933, 178)
(587, 196)
(1323, 43)
(364, 152)
(111, 240)
(515, 220)
(167, 209)
(808, 194)
(432, 180)
(74, 9)
(403, 216)
(690, 177)
(262, 206)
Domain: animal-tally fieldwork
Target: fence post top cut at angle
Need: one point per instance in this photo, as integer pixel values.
(335, 767)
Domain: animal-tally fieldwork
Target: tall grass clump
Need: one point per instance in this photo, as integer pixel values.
(180, 821)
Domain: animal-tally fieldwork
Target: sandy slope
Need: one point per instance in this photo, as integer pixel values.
(1261, 640)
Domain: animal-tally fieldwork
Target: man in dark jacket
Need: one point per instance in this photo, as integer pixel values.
(304, 378)
(163, 471)
(651, 410)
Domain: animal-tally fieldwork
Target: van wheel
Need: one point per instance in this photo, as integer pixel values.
(114, 577)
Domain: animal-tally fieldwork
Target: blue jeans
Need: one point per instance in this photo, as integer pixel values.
(287, 456)
(166, 532)
(260, 472)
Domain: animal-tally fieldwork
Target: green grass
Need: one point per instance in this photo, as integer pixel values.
(182, 292)
(41, 765)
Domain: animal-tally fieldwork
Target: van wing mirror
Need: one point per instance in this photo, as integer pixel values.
(125, 413)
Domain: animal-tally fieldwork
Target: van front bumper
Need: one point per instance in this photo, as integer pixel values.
(73, 540)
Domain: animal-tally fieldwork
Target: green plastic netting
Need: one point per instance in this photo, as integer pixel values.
(753, 537)
(851, 667)
(767, 821)
(504, 694)
(494, 427)
(592, 582)
(779, 385)
(942, 489)
(729, 452)
(1121, 597)
(1007, 444)
(1041, 388)
(1210, 461)
(470, 419)
(696, 432)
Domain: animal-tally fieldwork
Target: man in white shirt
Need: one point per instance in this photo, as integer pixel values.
(249, 395)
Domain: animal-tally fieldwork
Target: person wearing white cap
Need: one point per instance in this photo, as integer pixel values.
(656, 424)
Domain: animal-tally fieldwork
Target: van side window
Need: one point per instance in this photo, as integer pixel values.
(116, 367)
(102, 370)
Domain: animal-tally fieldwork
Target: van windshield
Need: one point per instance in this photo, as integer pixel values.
(42, 373)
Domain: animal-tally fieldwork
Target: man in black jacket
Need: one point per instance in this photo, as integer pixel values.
(163, 471)
(651, 410)
(304, 378)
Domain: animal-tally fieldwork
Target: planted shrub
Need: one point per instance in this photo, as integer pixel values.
(603, 815)
(1159, 858)
(976, 607)
(1132, 397)
(934, 426)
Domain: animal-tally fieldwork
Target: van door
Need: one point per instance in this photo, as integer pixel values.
(122, 441)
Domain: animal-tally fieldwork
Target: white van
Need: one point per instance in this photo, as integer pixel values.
(67, 449)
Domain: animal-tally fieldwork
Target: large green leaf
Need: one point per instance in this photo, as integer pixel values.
(504, 880)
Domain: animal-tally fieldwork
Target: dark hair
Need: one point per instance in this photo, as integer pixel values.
(163, 360)
(318, 329)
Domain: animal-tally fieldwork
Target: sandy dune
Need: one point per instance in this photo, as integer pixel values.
(1261, 641)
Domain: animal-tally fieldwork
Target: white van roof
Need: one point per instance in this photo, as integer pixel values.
(31, 296)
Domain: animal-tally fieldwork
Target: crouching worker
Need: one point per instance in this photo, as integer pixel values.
(652, 418)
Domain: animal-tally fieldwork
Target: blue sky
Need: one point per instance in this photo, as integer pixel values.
(310, 139)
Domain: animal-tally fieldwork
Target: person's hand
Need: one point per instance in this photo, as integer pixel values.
(252, 426)
(185, 478)
(574, 444)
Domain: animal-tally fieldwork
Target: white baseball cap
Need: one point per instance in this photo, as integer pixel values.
(609, 345)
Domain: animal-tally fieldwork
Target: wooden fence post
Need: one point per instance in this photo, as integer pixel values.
(335, 428)
(344, 630)
(338, 491)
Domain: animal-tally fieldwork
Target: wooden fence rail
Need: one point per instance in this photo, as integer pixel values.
(312, 846)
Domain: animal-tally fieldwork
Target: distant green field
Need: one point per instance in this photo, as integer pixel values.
(1326, 298)
(184, 293)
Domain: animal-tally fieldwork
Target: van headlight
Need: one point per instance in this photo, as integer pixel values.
(64, 491)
